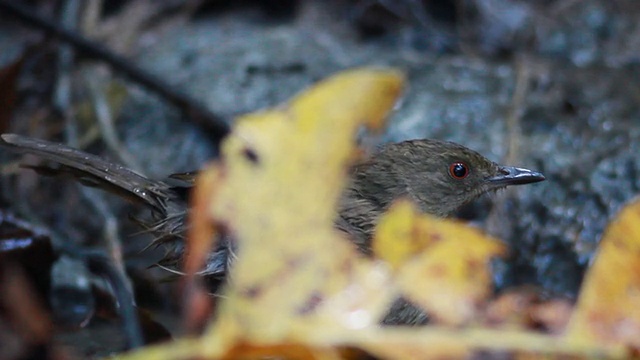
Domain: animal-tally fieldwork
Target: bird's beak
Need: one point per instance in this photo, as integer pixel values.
(509, 175)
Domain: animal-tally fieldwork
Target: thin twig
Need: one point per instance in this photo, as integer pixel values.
(514, 128)
(100, 264)
(65, 63)
(105, 122)
(90, 135)
(497, 221)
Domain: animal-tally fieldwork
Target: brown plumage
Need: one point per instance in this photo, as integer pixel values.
(438, 176)
(420, 170)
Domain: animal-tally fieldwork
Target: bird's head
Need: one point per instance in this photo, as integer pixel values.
(439, 176)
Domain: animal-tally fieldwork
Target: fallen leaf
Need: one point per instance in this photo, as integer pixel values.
(200, 241)
(402, 233)
(274, 191)
(608, 309)
(528, 308)
(553, 315)
(280, 177)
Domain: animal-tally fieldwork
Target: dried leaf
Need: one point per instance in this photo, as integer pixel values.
(402, 233)
(199, 243)
(608, 309)
(527, 308)
(448, 274)
(282, 173)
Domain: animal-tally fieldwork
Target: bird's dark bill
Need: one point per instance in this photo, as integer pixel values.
(510, 175)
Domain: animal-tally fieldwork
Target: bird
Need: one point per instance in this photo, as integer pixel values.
(440, 177)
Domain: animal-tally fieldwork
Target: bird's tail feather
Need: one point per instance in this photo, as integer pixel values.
(93, 170)
(167, 202)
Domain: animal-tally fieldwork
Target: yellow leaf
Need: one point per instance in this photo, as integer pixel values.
(402, 232)
(282, 172)
(448, 272)
(608, 309)
(438, 342)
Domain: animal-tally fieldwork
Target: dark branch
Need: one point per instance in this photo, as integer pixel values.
(195, 110)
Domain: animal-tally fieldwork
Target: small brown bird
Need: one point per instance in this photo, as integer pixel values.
(439, 176)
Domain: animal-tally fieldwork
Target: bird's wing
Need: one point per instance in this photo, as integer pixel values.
(357, 217)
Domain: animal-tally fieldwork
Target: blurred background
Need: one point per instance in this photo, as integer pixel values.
(551, 85)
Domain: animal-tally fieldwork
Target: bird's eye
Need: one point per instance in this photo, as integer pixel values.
(458, 170)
